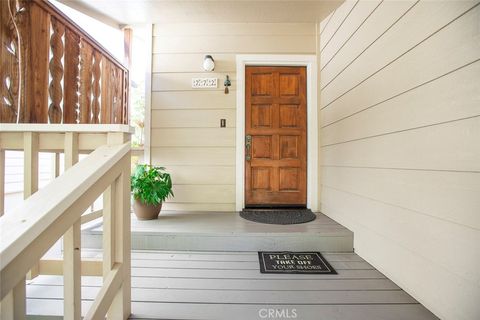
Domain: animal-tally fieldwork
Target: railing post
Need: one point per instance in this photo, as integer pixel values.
(71, 149)
(108, 229)
(30, 175)
(2, 182)
(56, 165)
(117, 241)
(72, 276)
(13, 306)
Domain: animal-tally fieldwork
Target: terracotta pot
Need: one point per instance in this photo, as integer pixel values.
(146, 211)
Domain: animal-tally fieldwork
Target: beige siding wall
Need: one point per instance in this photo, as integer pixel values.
(400, 118)
(186, 136)
(14, 170)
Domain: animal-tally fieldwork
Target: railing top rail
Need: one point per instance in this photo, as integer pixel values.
(85, 35)
(58, 128)
(20, 228)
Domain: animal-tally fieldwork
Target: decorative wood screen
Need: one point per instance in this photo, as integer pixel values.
(54, 72)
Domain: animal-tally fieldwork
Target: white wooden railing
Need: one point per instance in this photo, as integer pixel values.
(58, 209)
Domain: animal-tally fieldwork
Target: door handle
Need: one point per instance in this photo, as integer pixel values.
(248, 146)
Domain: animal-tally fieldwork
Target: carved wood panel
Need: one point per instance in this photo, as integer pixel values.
(125, 97)
(117, 96)
(107, 92)
(86, 67)
(52, 71)
(55, 110)
(37, 41)
(71, 105)
(95, 108)
(13, 18)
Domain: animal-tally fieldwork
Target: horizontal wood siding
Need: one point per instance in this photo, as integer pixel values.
(14, 170)
(186, 136)
(400, 132)
(234, 44)
(208, 118)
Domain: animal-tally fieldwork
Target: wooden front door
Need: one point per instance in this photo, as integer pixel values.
(276, 136)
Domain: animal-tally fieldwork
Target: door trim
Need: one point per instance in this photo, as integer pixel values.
(308, 61)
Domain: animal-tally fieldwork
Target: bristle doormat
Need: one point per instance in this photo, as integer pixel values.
(294, 262)
(278, 216)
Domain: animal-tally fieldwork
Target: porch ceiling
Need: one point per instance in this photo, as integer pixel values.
(129, 12)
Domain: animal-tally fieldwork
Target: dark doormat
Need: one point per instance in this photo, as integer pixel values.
(294, 262)
(278, 216)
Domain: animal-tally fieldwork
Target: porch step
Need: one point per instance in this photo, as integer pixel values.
(226, 231)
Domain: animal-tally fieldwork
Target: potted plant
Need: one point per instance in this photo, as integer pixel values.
(150, 186)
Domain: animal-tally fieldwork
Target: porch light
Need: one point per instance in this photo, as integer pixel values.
(208, 63)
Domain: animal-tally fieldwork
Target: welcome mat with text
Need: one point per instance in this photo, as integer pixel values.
(294, 262)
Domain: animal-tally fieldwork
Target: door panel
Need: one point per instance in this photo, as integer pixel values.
(276, 122)
(264, 85)
(290, 116)
(261, 178)
(262, 147)
(289, 147)
(261, 116)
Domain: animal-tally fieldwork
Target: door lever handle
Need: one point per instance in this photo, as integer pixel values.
(248, 146)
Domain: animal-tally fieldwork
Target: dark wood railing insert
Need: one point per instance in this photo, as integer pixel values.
(52, 71)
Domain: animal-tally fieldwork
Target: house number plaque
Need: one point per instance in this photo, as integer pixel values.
(204, 82)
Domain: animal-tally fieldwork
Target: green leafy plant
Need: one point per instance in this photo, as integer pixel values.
(151, 185)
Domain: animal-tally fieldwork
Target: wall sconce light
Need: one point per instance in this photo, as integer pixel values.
(208, 63)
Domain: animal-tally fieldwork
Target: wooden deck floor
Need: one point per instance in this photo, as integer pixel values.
(228, 285)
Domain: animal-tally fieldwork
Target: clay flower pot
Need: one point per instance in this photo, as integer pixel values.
(146, 211)
(149, 185)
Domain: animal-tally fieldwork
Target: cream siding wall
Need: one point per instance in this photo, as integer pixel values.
(400, 132)
(14, 170)
(14, 175)
(186, 136)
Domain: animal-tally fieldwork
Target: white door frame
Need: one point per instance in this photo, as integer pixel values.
(308, 61)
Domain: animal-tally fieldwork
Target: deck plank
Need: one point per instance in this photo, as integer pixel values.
(242, 312)
(237, 284)
(145, 310)
(233, 265)
(250, 274)
(226, 256)
(240, 297)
